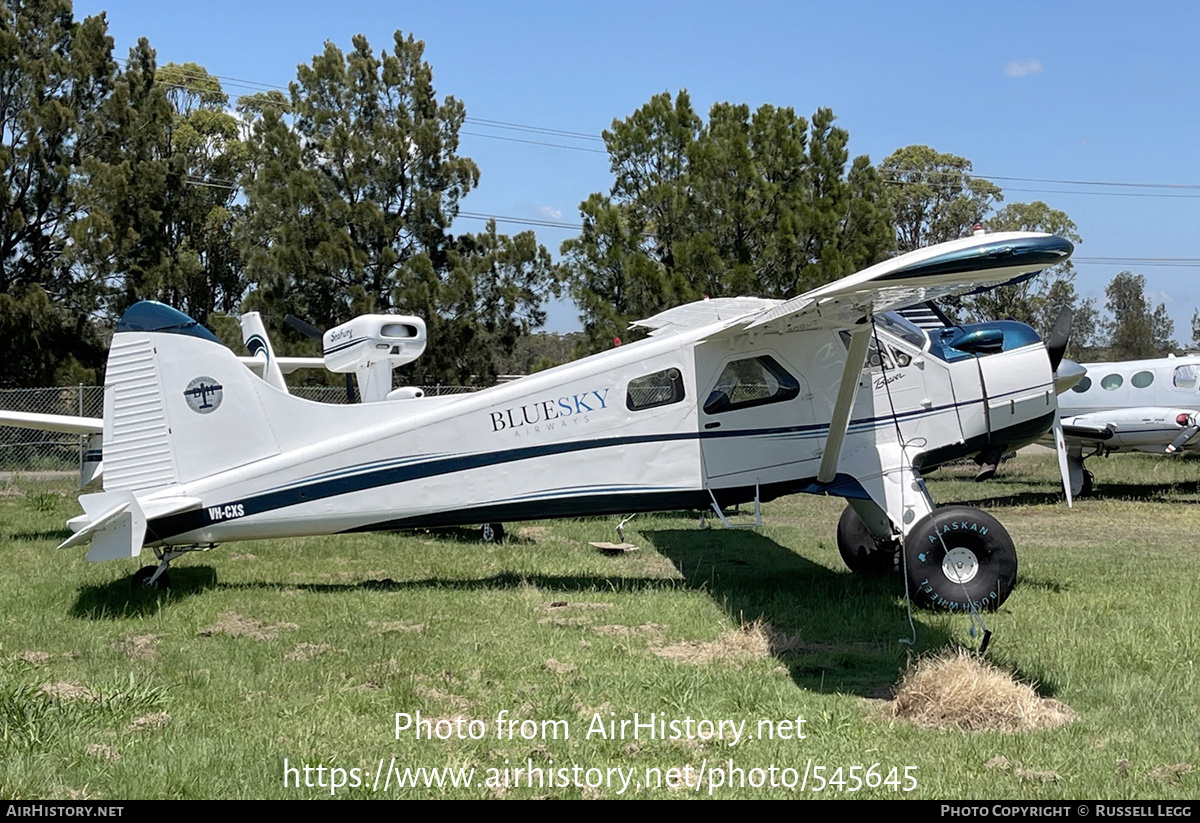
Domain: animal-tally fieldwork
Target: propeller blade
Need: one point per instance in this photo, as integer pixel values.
(1060, 336)
(1182, 440)
(1060, 445)
(304, 327)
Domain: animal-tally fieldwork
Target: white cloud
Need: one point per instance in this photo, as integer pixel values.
(549, 213)
(1020, 68)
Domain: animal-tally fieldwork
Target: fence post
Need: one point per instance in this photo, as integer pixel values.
(83, 437)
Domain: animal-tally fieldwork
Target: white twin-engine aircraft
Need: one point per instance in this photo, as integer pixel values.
(727, 401)
(1138, 405)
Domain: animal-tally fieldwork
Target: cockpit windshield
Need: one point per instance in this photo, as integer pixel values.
(905, 329)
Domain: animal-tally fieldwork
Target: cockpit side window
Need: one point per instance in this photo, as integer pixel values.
(1185, 377)
(753, 381)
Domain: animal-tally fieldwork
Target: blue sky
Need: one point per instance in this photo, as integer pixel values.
(1072, 91)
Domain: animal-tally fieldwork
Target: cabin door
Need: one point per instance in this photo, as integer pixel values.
(756, 419)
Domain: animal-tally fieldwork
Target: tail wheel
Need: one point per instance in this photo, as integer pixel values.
(492, 532)
(141, 579)
(958, 558)
(861, 551)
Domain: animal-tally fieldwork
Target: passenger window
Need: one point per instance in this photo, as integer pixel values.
(1185, 377)
(1142, 379)
(1083, 385)
(659, 389)
(751, 382)
(1111, 382)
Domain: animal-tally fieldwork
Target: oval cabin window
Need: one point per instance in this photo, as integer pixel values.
(1111, 381)
(1142, 379)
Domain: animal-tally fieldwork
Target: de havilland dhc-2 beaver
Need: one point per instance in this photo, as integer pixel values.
(726, 401)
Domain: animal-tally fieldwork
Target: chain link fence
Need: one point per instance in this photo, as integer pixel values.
(52, 460)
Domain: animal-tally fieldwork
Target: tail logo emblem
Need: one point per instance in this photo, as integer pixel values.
(203, 395)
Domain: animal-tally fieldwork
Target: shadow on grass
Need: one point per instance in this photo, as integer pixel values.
(993, 495)
(48, 534)
(839, 632)
(121, 598)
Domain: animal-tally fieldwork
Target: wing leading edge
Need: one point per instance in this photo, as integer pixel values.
(970, 264)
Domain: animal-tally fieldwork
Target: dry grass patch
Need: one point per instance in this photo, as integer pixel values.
(388, 627)
(237, 625)
(558, 667)
(149, 722)
(35, 658)
(957, 690)
(1170, 773)
(103, 751)
(64, 690)
(559, 605)
(644, 630)
(138, 647)
(307, 651)
(752, 640)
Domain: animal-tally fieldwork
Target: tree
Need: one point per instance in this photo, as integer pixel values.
(353, 188)
(54, 75)
(159, 200)
(1134, 331)
(934, 197)
(1038, 300)
(746, 203)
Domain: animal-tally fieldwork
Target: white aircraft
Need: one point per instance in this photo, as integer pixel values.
(1138, 405)
(726, 401)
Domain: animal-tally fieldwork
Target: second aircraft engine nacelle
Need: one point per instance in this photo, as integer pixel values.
(371, 346)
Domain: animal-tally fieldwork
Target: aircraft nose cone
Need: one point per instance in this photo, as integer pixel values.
(1068, 374)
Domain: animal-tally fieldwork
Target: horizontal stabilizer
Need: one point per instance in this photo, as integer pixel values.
(52, 422)
(115, 524)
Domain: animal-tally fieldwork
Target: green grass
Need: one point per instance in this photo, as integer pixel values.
(305, 650)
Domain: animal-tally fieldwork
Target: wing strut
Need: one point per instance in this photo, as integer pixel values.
(839, 423)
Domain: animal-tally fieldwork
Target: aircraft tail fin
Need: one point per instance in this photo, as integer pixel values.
(178, 404)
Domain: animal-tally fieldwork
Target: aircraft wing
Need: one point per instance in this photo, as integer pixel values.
(970, 264)
(980, 261)
(52, 422)
(704, 313)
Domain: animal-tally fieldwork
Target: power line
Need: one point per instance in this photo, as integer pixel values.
(578, 135)
(1186, 262)
(532, 142)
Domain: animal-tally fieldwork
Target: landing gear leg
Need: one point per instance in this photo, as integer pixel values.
(156, 577)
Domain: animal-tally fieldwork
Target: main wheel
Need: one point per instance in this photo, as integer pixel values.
(141, 579)
(1089, 482)
(492, 532)
(959, 557)
(861, 551)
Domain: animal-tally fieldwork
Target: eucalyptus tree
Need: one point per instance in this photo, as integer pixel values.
(55, 72)
(354, 186)
(764, 203)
